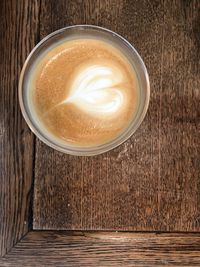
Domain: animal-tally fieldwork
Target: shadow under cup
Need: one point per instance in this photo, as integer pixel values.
(73, 33)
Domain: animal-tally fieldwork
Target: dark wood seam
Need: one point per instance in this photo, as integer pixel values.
(30, 213)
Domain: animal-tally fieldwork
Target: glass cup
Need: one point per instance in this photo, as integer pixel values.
(71, 33)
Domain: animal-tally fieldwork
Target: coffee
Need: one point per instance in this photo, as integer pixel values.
(84, 92)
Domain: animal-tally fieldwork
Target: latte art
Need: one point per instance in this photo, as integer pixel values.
(96, 90)
(85, 92)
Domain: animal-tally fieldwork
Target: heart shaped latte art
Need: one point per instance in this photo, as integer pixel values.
(97, 90)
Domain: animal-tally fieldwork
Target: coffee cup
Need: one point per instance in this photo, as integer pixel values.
(84, 90)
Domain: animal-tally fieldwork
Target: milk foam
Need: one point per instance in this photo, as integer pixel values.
(97, 90)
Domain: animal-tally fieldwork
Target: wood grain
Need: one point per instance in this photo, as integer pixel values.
(18, 35)
(179, 158)
(151, 182)
(104, 249)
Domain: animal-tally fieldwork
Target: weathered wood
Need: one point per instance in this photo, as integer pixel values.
(18, 35)
(151, 182)
(104, 249)
(179, 119)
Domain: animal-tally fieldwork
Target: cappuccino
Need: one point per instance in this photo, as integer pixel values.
(84, 92)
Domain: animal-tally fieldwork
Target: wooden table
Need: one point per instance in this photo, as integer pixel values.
(137, 205)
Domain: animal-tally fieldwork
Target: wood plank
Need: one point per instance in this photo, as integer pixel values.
(108, 191)
(104, 249)
(179, 131)
(18, 35)
(151, 182)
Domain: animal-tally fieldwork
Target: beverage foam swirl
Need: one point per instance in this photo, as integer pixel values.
(97, 90)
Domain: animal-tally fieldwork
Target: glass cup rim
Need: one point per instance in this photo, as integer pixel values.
(93, 150)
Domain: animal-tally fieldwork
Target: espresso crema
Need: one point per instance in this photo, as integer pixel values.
(84, 92)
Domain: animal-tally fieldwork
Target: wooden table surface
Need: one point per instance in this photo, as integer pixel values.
(151, 183)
